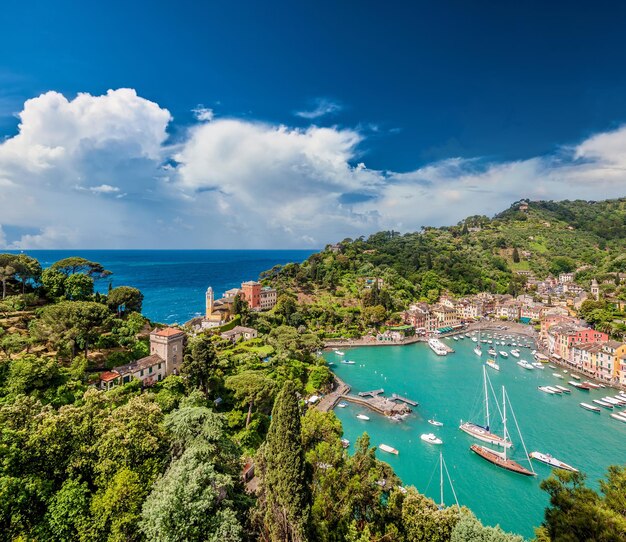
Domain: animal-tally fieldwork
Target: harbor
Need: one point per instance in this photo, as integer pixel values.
(449, 389)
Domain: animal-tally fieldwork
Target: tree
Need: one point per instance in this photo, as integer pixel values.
(78, 287)
(27, 269)
(251, 387)
(72, 324)
(68, 512)
(6, 273)
(192, 502)
(469, 529)
(76, 264)
(12, 343)
(53, 282)
(576, 512)
(30, 374)
(515, 255)
(285, 498)
(200, 363)
(125, 295)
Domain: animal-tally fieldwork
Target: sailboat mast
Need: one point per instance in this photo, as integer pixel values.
(486, 396)
(441, 478)
(504, 418)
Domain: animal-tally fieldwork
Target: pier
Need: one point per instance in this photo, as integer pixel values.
(382, 405)
(406, 400)
(372, 393)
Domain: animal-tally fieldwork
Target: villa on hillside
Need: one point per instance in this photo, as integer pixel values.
(166, 357)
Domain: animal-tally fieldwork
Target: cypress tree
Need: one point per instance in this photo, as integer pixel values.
(515, 255)
(285, 498)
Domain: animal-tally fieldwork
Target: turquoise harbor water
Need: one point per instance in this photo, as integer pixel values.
(173, 282)
(450, 389)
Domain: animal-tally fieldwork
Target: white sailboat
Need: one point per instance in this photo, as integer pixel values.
(442, 466)
(499, 458)
(477, 349)
(481, 432)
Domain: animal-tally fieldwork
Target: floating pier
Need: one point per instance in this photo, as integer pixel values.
(372, 393)
(396, 397)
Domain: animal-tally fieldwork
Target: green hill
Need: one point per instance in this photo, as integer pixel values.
(477, 254)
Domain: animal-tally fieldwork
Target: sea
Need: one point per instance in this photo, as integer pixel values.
(450, 389)
(174, 282)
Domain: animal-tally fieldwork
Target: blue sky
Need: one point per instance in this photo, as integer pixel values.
(294, 124)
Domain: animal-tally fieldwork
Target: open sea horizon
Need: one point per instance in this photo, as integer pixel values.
(173, 282)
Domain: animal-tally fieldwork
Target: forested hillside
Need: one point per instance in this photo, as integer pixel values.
(477, 254)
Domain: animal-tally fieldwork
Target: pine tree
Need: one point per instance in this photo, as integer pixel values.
(515, 255)
(285, 497)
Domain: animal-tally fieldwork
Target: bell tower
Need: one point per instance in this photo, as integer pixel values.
(209, 302)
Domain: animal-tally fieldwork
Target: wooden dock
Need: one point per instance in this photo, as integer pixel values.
(406, 400)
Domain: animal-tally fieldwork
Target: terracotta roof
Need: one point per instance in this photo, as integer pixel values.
(143, 363)
(107, 376)
(168, 332)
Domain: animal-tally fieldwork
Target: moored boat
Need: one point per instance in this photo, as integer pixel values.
(435, 423)
(555, 390)
(546, 389)
(618, 416)
(552, 461)
(438, 347)
(592, 408)
(579, 385)
(515, 353)
(348, 361)
(388, 449)
(592, 385)
(537, 365)
(345, 442)
(503, 354)
(498, 459)
(557, 375)
(563, 389)
(603, 403)
(523, 363)
(574, 376)
(492, 363)
(431, 438)
(340, 353)
(363, 417)
(342, 404)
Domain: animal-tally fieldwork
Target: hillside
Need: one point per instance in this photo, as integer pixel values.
(477, 254)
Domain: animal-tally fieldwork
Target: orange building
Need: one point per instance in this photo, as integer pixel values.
(251, 292)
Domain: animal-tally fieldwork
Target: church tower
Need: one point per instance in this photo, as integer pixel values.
(209, 302)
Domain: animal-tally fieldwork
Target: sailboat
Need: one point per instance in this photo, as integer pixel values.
(499, 459)
(477, 349)
(481, 432)
(442, 466)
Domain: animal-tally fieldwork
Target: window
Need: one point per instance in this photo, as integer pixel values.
(150, 370)
(160, 377)
(174, 359)
(141, 374)
(126, 379)
(159, 365)
(175, 348)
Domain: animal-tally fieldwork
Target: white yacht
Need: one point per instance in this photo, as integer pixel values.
(431, 438)
(438, 347)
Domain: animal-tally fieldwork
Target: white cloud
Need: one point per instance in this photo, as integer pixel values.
(203, 114)
(95, 171)
(322, 107)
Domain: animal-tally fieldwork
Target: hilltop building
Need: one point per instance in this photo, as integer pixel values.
(166, 357)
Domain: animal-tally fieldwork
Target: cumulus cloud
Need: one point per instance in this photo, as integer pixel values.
(322, 107)
(96, 171)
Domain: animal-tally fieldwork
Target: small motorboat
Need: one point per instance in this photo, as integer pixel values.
(340, 353)
(602, 403)
(592, 408)
(431, 438)
(478, 351)
(538, 365)
(575, 377)
(388, 449)
(557, 375)
(515, 353)
(523, 363)
(435, 423)
(492, 363)
(503, 354)
(592, 385)
(492, 352)
(563, 389)
(348, 362)
(546, 389)
(555, 390)
(345, 442)
(618, 416)
(363, 417)
(342, 404)
(552, 366)
(552, 461)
